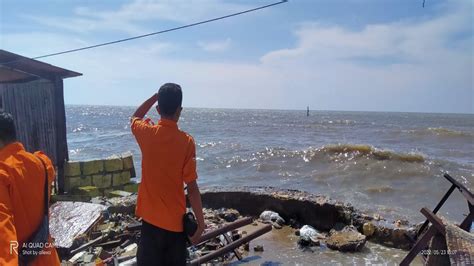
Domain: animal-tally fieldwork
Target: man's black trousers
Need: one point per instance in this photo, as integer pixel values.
(161, 247)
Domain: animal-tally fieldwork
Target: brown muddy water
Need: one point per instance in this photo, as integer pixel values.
(281, 248)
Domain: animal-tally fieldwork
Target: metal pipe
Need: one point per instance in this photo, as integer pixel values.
(228, 248)
(226, 228)
(88, 244)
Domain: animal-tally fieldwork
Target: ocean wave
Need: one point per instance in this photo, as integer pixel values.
(439, 131)
(345, 151)
(334, 153)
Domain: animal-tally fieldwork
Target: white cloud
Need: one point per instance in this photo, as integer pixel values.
(215, 46)
(82, 25)
(423, 65)
(132, 17)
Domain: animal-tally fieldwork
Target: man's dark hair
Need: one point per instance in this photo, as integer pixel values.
(170, 98)
(7, 127)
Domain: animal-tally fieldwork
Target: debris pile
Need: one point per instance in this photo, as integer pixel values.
(106, 232)
(88, 234)
(341, 237)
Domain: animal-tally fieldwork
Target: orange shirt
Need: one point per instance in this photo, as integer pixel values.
(22, 201)
(168, 161)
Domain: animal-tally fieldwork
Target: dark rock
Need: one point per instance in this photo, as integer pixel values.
(229, 215)
(258, 248)
(304, 243)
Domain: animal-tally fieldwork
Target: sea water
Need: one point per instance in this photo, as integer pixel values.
(386, 163)
(390, 163)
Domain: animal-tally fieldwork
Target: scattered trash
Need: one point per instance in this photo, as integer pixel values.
(309, 236)
(273, 218)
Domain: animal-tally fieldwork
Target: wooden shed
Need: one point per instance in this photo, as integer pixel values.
(32, 91)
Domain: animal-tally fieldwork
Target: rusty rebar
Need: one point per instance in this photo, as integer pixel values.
(226, 228)
(228, 248)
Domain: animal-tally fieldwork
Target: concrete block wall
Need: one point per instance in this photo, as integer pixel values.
(106, 174)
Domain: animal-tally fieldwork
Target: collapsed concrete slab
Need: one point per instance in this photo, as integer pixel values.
(298, 207)
(346, 240)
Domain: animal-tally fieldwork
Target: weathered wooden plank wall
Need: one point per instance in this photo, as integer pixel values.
(62, 152)
(33, 107)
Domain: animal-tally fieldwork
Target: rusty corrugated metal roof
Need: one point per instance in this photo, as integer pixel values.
(17, 68)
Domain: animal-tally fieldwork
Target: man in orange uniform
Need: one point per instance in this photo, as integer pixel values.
(168, 162)
(22, 185)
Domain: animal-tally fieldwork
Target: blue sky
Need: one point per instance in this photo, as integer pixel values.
(359, 55)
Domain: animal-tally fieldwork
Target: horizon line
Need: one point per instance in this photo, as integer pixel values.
(277, 109)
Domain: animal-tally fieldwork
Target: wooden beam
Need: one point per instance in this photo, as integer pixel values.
(435, 220)
(25, 80)
(464, 191)
(61, 139)
(466, 224)
(15, 62)
(421, 244)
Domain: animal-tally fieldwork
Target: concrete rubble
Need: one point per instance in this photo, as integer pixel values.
(346, 240)
(105, 231)
(108, 233)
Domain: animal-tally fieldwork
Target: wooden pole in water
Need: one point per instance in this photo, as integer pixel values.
(307, 111)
